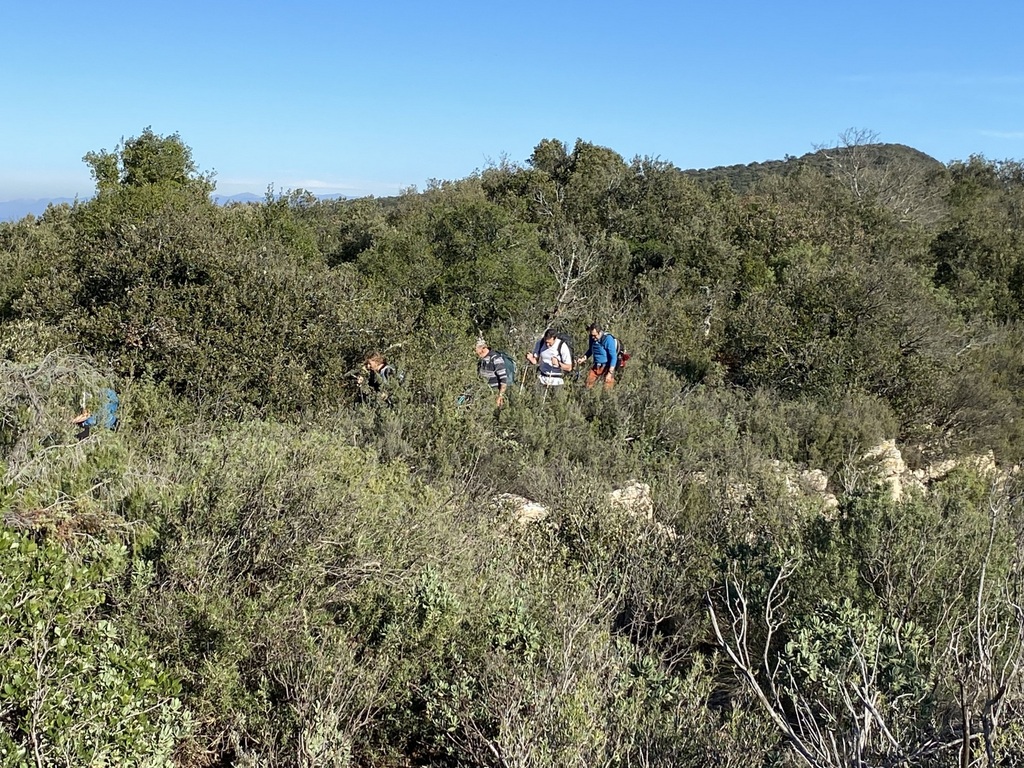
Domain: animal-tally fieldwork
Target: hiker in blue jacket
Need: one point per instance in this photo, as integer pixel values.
(105, 415)
(604, 354)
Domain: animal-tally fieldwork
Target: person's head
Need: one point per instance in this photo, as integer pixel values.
(375, 361)
(550, 336)
(595, 331)
(481, 348)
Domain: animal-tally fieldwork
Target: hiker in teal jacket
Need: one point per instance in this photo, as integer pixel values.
(604, 354)
(105, 415)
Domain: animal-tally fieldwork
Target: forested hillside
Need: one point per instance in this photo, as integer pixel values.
(269, 564)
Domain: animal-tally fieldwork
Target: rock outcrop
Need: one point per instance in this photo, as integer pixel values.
(633, 500)
(885, 463)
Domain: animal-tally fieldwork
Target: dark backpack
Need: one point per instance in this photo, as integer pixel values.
(510, 368)
(563, 338)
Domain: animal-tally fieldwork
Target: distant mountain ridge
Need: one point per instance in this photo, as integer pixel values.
(741, 178)
(13, 210)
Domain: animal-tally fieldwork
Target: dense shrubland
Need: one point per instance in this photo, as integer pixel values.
(261, 568)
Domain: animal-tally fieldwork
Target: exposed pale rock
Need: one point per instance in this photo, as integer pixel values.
(814, 481)
(888, 462)
(935, 471)
(892, 471)
(808, 482)
(524, 510)
(983, 464)
(635, 498)
(888, 458)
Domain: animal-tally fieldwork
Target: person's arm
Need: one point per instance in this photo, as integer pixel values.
(590, 348)
(533, 358)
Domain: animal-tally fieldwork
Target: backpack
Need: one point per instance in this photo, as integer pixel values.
(510, 368)
(623, 356)
(389, 374)
(563, 338)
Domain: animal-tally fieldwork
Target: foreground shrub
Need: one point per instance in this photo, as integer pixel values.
(77, 685)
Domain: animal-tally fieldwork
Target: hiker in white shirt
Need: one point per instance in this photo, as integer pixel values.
(553, 359)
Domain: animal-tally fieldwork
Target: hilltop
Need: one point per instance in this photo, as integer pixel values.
(742, 178)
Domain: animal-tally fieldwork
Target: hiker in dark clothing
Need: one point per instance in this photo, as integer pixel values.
(491, 368)
(380, 378)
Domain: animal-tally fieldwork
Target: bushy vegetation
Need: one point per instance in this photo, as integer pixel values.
(266, 565)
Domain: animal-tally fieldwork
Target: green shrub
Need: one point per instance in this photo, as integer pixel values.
(78, 685)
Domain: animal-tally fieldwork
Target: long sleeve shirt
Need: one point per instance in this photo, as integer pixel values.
(604, 351)
(491, 368)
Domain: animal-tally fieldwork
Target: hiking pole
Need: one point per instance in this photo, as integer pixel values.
(522, 379)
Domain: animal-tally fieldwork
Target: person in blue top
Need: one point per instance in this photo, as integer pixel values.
(604, 354)
(105, 415)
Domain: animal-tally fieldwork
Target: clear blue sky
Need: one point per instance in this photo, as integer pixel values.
(370, 98)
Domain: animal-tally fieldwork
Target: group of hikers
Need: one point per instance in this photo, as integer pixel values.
(552, 356)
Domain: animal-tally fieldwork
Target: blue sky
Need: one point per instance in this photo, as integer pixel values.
(371, 98)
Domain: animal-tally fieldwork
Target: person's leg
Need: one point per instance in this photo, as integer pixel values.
(592, 376)
(609, 380)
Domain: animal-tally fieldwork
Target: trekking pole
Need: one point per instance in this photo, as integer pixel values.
(522, 379)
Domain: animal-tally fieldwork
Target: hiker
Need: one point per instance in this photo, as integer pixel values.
(604, 354)
(380, 377)
(105, 415)
(553, 358)
(492, 369)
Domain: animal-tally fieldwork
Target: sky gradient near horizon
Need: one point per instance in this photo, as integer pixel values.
(370, 99)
